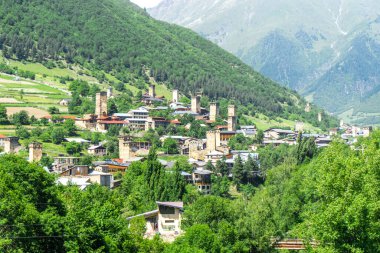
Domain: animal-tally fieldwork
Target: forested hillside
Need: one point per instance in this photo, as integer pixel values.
(116, 37)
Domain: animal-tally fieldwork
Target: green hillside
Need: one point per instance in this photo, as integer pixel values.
(114, 37)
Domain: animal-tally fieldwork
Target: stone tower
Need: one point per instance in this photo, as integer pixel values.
(125, 149)
(35, 152)
(299, 126)
(175, 96)
(152, 91)
(213, 140)
(101, 104)
(231, 118)
(10, 145)
(214, 111)
(196, 104)
(231, 123)
(193, 149)
(231, 111)
(320, 116)
(109, 92)
(308, 107)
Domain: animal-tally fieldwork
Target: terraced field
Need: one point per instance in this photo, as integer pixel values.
(32, 96)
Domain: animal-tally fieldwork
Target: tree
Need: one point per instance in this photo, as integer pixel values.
(21, 92)
(53, 110)
(251, 171)
(20, 118)
(170, 146)
(46, 161)
(57, 135)
(220, 186)
(221, 167)
(238, 171)
(73, 148)
(22, 132)
(70, 127)
(3, 115)
(306, 149)
(210, 166)
(29, 198)
(260, 136)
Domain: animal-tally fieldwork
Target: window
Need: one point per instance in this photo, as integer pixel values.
(166, 210)
(169, 221)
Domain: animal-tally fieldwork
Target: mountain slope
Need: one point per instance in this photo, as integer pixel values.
(117, 37)
(299, 44)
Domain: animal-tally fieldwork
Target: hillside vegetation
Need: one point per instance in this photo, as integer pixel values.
(115, 37)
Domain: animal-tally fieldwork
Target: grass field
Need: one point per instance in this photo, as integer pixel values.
(262, 122)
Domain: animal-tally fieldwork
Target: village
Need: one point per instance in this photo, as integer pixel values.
(201, 153)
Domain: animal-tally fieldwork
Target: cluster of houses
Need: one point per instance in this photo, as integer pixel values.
(166, 219)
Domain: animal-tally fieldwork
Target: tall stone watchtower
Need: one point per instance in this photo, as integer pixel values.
(125, 148)
(214, 111)
(213, 140)
(175, 96)
(35, 152)
(320, 116)
(152, 91)
(196, 103)
(10, 145)
(231, 118)
(101, 104)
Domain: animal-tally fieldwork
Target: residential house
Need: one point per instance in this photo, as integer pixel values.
(164, 221)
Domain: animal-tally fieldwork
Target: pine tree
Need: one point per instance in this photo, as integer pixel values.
(221, 167)
(238, 171)
(251, 169)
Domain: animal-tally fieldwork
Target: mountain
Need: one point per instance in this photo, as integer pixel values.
(325, 49)
(118, 38)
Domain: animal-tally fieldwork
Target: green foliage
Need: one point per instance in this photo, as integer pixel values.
(221, 167)
(29, 207)
(57, 135)
(147, 182)
(20, 118)
(240, 142)
(73, 148)
(22, 132)
(238, 171)
(170, 146)
(3, 115)
(70, 127)
(53, 110)
(271, 156)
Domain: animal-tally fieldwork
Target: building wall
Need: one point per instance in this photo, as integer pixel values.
(231, 123)
(211, 140)
(196, 104)
(214, 111)
(101, 104)
(175, 96)
(35, 152)
(231, 111)
(162, 221)
(125, 151)
(152, 91)
(10, 145)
